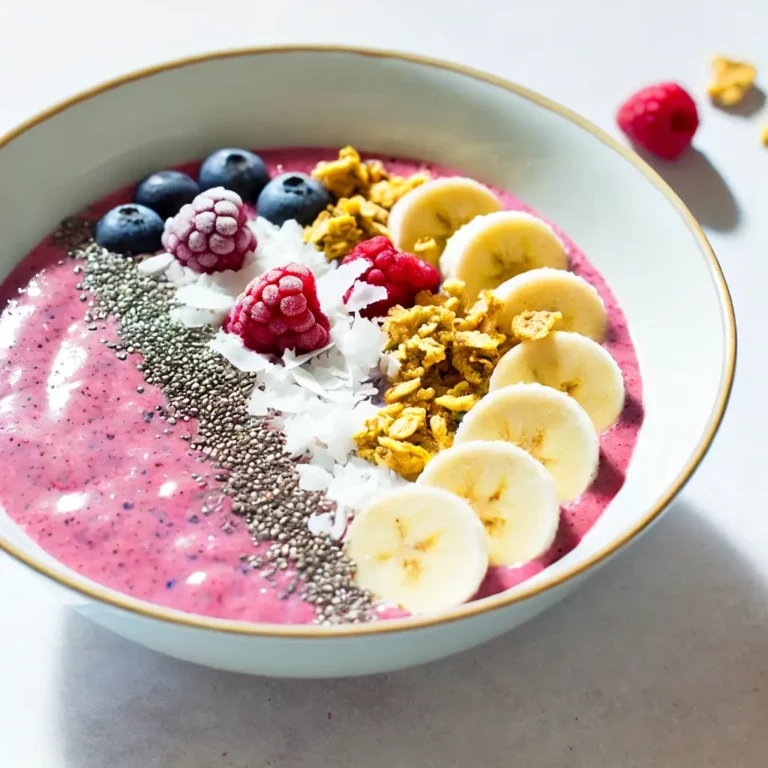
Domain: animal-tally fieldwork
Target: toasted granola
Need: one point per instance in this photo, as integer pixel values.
(389, 190)
(534, 325)
(365, 192)
(428, 249)
(445, 354)
(731, 81)
(348, 175)
(337, 230)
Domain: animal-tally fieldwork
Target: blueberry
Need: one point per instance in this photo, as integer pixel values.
(166, 191)
(130, 228)
(293, 196)
(235, 169)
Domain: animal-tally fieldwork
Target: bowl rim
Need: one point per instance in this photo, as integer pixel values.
(148, 610)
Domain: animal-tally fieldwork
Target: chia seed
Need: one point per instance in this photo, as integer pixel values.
(259, 477)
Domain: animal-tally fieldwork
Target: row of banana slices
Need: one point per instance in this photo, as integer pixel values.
(529, 445)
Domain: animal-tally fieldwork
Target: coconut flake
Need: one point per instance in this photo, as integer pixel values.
(258, 405)
(360, 343)
(332, 286)
(312, 478)
(230, 346)
(192, 317)
(178, 275)
(363, 294)
(305, 379)
(155, 265)
(389, 366)
(278, 246)
(291, 360)
(200, 296)
(320, 523)
(339, 523)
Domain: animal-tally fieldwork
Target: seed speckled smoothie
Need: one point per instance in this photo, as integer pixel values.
(286, 418)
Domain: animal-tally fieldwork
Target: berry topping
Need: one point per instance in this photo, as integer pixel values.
(661, 118)
(166, 191)
(293, 196)
(235, 169)
(211, 233)
(130, 228)
(279, 311)
(401, 274)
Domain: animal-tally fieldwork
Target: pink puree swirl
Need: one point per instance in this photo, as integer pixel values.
(106, 487)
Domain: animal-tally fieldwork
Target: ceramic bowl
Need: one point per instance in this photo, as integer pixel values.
(630, 224)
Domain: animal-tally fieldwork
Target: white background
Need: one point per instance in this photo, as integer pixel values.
(662, 660)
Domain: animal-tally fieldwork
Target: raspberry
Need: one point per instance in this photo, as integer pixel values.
(401, 274)
(211, 233)
(661, 118)
(279, 311)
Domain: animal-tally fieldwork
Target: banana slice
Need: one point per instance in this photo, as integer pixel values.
(548, 424)
(512, 494)
(437, 209)
(494, 248)
(421, 548)
(573, 364)
(557, 291)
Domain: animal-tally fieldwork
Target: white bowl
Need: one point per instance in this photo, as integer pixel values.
(630, 224)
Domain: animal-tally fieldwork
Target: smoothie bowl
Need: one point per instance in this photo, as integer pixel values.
(344, 394)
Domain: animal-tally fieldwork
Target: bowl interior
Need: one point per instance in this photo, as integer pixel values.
(636, 233)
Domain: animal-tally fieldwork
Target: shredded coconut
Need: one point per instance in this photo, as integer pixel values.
(155, 265)
(364, 294)
(276, 247)
(320, 399)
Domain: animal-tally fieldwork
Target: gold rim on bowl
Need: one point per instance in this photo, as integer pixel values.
(133, 605)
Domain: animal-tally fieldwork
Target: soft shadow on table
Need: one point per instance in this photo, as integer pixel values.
(700, 186)
(660, 660)
(753, 102)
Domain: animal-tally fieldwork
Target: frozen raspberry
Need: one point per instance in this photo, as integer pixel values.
(280, 311)
(661, 118)
(211, 233)
(401, 274)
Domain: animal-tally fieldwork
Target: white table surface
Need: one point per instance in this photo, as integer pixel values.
(661, 660)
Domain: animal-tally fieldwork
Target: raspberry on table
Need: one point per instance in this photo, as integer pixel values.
(401, 274)
(280, 310)
(661, 118)
(211, 233)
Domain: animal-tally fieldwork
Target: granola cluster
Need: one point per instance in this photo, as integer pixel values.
(442, 354)
(731, 81)
(365, 191)
(532, 326)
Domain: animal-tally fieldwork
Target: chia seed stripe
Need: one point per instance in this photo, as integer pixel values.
(255, 471)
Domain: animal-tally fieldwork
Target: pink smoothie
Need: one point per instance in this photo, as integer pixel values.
(107, 487)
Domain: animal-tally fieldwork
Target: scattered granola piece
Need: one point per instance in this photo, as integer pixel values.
(535, 325)
(389, 190)
(427, 248)
(731, 82)
(483, 315)
(764, 136)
